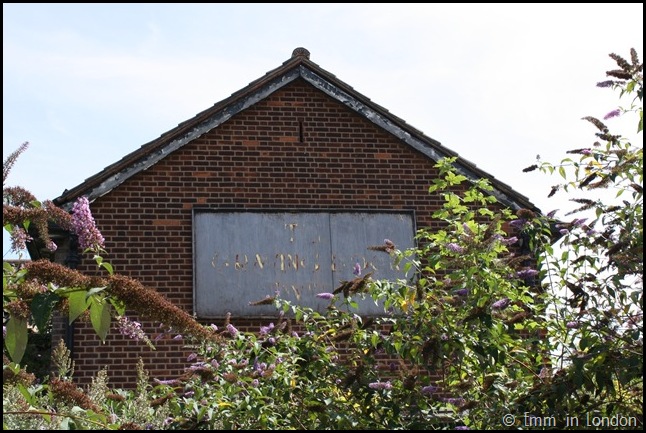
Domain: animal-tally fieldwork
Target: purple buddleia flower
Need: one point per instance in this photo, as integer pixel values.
(509, 241)
(19, 239)
(613, 113)
(192, 357)
(579, 221)
(526, 273)
(501, 304)
(169, 382)
(260, 366)
(462, 292)
(428, 390)
(461, 427)
(199, 366)
(130, 329)
(232, 330)
(545, 373)
(519, 223)
(452, 246)
(51, 246)
(325, 295)
(607, 83)
(357, 269)
(83, 225)
(380, 385)
(586, 151)
(564, 231)
(551, 213)
(264, 330)
(572, 325)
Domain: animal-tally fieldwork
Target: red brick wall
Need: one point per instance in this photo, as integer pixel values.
(254, 160)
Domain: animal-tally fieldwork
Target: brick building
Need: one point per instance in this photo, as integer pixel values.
(296, 143)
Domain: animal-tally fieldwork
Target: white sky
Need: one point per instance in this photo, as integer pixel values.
(86, 84)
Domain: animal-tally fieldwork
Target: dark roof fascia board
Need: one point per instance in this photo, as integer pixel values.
(151, 153)
(112, 171)
(429, 147)
(154, 156)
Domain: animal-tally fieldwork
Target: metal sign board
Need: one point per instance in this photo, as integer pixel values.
(241, 257)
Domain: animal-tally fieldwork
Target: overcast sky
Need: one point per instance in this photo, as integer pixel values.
(86, 84)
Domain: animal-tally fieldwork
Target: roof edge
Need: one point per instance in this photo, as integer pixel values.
(298, 66)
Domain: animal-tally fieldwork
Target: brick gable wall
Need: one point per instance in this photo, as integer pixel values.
(296, 149)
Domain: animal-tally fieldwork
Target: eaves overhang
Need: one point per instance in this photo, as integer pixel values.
(298, 67)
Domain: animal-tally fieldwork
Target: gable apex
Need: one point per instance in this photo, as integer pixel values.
(299, 66)
(301, 52)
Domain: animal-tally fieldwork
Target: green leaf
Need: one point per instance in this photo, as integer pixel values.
(375, 339)
(78, 304)
(94, 291)
(118, 305)
(640, 125)
(7, 267)
(42, 307)
(454, 179)
(108, 267)
(67, 424)
(100, 317)
(16, 339)
(27, 395)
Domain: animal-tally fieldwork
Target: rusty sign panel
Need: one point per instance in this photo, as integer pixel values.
(243, 256)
